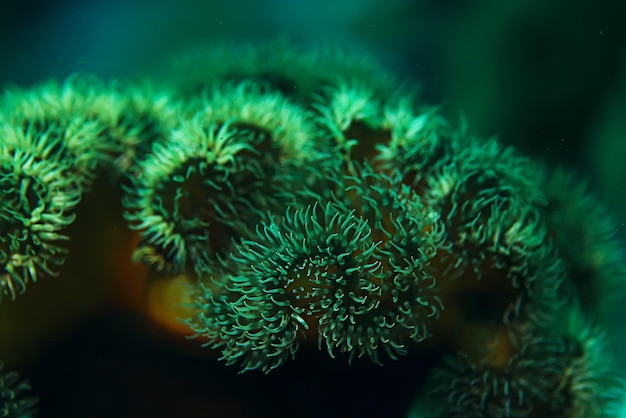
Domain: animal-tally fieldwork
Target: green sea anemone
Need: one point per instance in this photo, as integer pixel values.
(489, 200)
(285, 130)
(67, 121)
(421, 142)
(590, 386)
(353, 265)
(192, 194)
(313, 197)
(410, 236)
(300, 265)
(365, 125)
(145, 115)
(78, 95)
(350, 113)
(38, 200)
(522, 387)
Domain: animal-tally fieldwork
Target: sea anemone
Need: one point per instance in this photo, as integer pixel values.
(365, 125)
(215, 174)
(38, 200)
(518, 387)
(312, 197)
(298, 267)
(191, 194)
(78, 113)
(285, 130)
(353, 265)
(350, 112)
(146, 115)
(410, 236)
(489, 200)
(590, 386)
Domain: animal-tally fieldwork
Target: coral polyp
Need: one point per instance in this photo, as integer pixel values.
(520, 387)
(312, 199)
(489, 200)
(215, 176)
(38, 199)
(191, 193)
(295, 73)
(284, 129)
(303, 263)
(408, 236)
(68, 122)
(352, 266)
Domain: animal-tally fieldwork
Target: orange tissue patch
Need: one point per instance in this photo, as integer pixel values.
(168, 300)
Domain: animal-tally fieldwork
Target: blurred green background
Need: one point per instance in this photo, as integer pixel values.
(546, 76)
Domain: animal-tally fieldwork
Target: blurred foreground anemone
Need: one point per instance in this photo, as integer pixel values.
(310, 198)
(14, 403)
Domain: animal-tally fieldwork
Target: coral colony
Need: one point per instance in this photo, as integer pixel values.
(311, 197)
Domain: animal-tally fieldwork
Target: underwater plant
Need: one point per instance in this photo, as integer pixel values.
(307, 198)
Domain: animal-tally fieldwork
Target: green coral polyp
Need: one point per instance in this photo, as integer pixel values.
(313, 249)
(291, 133)
(202, 178)
(354, 265)
(348, 108)
(409, 237)
(58, 133)
(491, 211)
(523, 387)
(281, 67)
(38, 199)
(146, 115)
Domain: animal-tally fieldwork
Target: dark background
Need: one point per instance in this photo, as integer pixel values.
(547, 76)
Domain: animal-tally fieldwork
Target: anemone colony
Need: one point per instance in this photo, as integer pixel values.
(313, 197)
